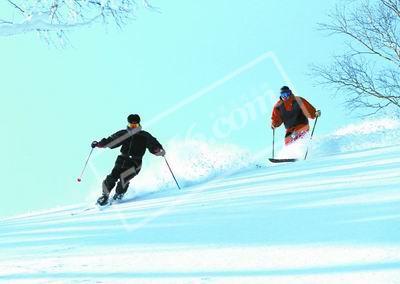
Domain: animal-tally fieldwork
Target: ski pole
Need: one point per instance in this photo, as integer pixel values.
(84, 168)
(273, 143)
(312, 133)
(171, 172)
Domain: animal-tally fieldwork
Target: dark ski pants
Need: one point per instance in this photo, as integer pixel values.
(124, 170)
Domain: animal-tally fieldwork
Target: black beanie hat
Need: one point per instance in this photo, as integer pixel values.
(134, 118)
(285, 89)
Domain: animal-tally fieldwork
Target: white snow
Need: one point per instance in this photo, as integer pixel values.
(332, 219)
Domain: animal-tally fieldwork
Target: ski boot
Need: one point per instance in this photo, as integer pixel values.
(103, 200)
(118, 196)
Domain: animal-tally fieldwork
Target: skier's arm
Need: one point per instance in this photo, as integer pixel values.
(154, 146)
(276, 119)
(108, 142)
(307, 108)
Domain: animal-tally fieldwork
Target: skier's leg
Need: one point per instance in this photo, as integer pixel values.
(294, 136)
(112, 178)
(303, 134)
(125, 177)
(299, 135)
(288, 140)
(120, 190)
(110, 181)
(108, 185)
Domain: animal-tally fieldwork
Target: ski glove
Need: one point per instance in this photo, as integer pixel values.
(160, 152)
(95, 144)
(318, 113)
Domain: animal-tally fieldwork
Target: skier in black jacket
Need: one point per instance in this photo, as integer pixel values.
(133, 142)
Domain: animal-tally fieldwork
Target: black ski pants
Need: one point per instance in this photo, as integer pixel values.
(125, 169)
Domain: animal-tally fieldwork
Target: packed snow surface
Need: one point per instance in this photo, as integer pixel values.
(331, 219)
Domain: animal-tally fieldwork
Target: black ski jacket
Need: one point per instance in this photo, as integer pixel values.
(133, 143)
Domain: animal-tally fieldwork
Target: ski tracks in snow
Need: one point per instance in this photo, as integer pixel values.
(330, 220)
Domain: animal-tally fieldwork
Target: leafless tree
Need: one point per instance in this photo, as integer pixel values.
(367, 73)
(56, 17)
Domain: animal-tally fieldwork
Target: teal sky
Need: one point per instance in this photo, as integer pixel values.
(56, 101)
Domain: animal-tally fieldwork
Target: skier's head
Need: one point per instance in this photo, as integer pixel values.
(133, 121)
(286, 93)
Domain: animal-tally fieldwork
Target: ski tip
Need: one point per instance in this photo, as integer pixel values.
(282, 160)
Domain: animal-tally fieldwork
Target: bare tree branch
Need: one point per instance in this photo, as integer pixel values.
(58, 16)
(16, 6)
(367, 74)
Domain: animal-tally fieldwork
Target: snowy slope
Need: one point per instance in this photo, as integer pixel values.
(332, 219)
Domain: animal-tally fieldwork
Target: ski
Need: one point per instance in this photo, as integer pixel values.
(282, 160)
(102, 207)
(96, 206)
(83, 211)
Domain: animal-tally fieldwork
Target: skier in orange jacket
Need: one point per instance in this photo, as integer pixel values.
(294, 113)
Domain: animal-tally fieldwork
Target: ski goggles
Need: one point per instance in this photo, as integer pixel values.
(133, 125)
(285, 95)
